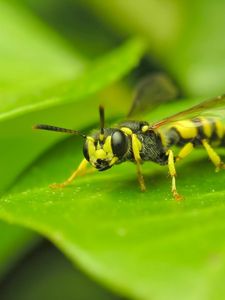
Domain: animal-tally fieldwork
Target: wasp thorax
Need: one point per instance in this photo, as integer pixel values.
(104, 151)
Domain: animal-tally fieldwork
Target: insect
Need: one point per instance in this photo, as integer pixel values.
(140, 141)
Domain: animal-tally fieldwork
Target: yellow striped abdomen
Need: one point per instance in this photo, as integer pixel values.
(194, 130)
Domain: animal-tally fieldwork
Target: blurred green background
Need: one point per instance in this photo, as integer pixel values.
(58, 61)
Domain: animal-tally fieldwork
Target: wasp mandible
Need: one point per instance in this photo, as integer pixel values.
(140, 141)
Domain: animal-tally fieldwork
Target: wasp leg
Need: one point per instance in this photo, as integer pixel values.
(185, 151)
(172, 172)
(136, 147)
(81, 170)
(214, 157)
(140, 177)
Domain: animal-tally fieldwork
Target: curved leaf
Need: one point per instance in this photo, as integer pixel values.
(53, 105)
(144, 245)
(31, 56)
(15, 242)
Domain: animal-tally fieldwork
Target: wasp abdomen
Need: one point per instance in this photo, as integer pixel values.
(195, 130)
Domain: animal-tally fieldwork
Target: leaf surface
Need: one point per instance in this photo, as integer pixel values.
(52, 105)
(38, 70)
(143, 245)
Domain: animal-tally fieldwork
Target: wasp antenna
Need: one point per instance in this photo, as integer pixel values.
(58, 129)
(102, 118)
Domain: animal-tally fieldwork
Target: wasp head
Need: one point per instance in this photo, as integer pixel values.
(103, 150)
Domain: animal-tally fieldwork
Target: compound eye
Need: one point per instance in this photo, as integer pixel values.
(85, 151)
(119, 143)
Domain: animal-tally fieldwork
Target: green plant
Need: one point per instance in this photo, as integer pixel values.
(143, 246)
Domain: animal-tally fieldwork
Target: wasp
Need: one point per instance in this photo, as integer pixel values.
(141, 141)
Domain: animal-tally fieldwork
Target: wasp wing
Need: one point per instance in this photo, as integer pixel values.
(214, 107)
(152, 91)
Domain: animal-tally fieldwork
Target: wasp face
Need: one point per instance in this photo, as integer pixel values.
(104, 150)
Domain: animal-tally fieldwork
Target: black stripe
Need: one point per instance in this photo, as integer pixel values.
(214, 135)
(175, 138)
(198, 124)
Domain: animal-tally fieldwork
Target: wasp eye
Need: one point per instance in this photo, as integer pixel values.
(85, 151)
(119, 143)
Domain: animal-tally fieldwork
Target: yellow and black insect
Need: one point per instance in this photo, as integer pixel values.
(139, 141)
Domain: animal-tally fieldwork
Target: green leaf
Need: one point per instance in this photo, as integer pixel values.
(97, 76)
(143, 245)
(31, 56)
(15, 242)
(36, 66)
(58, 102)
